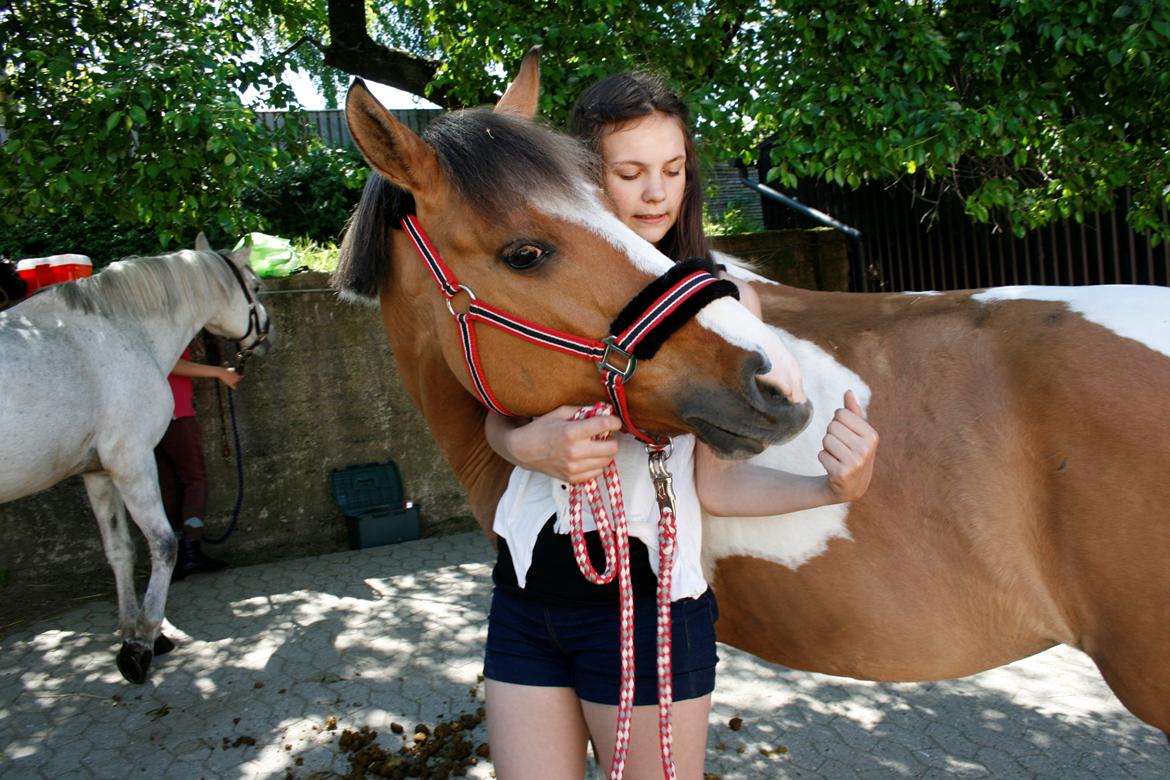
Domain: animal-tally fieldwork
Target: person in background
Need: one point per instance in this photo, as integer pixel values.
(12, 287)
(182, 470)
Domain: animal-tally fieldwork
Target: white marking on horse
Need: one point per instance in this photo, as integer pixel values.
(724, 317)
(796, 538)
(589, 212)
(1137, 312)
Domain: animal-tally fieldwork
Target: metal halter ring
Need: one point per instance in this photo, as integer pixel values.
(465, 289)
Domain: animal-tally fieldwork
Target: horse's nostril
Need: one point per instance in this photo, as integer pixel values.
(770, 392)
(756, 365)
(756, 369)
(766, 393)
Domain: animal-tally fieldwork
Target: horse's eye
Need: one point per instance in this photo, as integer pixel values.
(526, 255)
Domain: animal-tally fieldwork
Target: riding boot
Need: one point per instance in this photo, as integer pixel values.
(206, 562)
(192, 560)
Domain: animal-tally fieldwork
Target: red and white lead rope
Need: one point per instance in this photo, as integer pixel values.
(615, 541)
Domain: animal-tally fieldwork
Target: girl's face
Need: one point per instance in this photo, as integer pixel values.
(645, 173)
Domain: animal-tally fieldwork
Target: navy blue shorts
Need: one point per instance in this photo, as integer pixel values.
(579, 647)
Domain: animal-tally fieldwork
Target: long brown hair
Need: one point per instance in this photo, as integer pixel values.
(625, 97)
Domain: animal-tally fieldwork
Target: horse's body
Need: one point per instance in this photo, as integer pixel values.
(1019, 501)
(83, 377)
(1019, 498)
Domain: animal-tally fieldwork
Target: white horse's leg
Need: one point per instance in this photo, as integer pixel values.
(144, 502)
(111, 518)
(137, 481)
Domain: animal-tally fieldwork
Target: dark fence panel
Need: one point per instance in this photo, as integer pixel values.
(906, 247)
(331, 127)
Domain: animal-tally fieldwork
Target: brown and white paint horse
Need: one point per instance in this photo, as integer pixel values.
(1020, 499)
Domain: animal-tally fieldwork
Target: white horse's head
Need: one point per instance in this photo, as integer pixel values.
(242, 317)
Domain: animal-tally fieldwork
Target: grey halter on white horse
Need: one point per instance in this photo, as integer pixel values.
(83, 383)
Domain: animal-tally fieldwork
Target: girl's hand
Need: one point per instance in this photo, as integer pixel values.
(557, 445)
(850, 446)
(229, 377)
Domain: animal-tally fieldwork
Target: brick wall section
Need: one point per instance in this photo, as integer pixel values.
(813, 259)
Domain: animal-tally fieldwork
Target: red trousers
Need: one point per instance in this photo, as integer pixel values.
(182, 471)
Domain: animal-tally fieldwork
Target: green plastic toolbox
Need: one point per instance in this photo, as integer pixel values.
(372, 500)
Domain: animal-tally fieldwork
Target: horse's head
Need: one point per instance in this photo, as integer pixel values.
(242, 317)
(515, 213)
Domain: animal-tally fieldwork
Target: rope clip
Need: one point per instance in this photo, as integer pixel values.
(663, 481)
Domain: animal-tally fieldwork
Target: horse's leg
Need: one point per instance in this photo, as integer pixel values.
(1134, 666)
(137, 482)
(111, 518)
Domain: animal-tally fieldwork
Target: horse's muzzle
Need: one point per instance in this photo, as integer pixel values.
(743, 425)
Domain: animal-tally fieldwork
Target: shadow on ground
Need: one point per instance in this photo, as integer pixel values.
(276, 661)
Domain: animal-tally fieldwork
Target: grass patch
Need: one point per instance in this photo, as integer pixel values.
(318, 257)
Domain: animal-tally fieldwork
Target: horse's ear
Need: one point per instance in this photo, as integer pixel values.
(201, 243)
(389, 146)
(523, 93)
(242, 256)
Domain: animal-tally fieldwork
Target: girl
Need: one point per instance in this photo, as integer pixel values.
(552, 662)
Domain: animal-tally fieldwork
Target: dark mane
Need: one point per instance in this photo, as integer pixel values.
(364, 260)
(493, 160)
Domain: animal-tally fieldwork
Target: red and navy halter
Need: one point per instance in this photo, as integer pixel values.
(637, 333)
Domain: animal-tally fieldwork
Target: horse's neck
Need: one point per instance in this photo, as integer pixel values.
(456, 420)
(168, 334)
(454, 417)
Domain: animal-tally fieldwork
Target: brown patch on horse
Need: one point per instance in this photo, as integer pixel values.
(1020, 500)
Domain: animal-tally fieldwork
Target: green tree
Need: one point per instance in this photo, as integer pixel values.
(130, 110)
(1028, 110)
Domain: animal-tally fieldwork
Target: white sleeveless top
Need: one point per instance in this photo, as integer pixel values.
(532, 497)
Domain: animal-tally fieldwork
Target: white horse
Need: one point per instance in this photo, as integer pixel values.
(83, 390)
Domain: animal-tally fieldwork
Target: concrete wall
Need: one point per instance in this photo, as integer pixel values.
(327, 397)
(815, 259)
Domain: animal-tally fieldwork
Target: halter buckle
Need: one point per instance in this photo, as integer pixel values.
(606, 363)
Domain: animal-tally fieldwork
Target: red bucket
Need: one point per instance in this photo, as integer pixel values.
(39, 272)
(36, 272)
(68, 268)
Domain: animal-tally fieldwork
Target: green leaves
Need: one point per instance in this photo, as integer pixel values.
(110, 110)
(1026, 109)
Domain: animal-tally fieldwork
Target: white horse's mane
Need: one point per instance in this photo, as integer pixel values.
(144, 286)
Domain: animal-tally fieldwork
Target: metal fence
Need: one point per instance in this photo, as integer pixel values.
(331, 127)
(907, 247)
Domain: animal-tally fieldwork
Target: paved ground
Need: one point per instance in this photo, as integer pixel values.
(276, 662)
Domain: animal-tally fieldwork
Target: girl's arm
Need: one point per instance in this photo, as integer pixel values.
(747, 294)
(735, 488)
(554, 444)
(204, 371)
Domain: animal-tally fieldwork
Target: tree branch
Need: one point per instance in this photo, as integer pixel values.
(352, 50)
(731, 29)
(303, 39)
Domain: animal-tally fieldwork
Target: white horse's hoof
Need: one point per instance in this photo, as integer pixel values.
(134, 661)
(162, 645)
